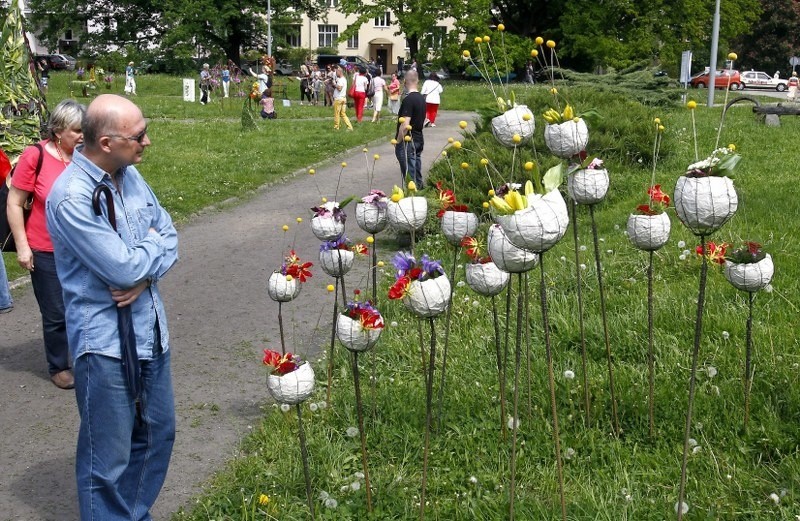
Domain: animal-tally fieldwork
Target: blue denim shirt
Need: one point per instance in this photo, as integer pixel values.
(91, 257)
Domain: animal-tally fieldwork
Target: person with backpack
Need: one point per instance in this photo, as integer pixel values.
(37, 170)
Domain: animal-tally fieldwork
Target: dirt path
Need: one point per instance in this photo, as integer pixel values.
(220, 320)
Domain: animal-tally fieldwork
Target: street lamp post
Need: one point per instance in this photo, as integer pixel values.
(712, 74)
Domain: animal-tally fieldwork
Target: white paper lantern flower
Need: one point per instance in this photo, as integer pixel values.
(328, 221)
(422, 285)
(336, 262)
(280, 289)
(371, 212)
(409, 213)
(457, 225)
(505, 255)
(290, 381)
(750, 277)
(704, 204)
(519, 121)
(649, 232)
(486, 278)
(566, 139)
(588, 185)
(360, 327)
(538, 227)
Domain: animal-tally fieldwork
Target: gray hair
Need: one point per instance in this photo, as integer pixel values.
(67, 114)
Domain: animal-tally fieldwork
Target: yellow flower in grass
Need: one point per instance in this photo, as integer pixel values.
(478, 39)
(732, 147)
(457, 145)
(465, 165)
(485, 204)
(501, 27)
(484, 161)
(539, 40)
(691, 105)
(412, 186)
(263, 500)
(491, 193)
(444, 153)
(486, 39)
(528, 166)
(462, 124)
(465, 54)
(657, 121)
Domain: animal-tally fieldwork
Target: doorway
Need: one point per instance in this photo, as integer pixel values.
(382, 59)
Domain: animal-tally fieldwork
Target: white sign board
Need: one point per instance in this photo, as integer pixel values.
(188, 90)
(686, 67)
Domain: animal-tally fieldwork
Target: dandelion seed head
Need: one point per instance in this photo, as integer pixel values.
(692, 442)
(394, 323)
(697, 449)
(569, 453)
(313, 407)
(352, 432)
(684, 506)
(285, 407)
(775, 498)
(725, 335)
(563, 259)
(681, 244)
(513, 423)
(475, 303)
(473, 480)
(682, 257)
(331, 503)
(323, 495)
(583, 266)
(355, 485)
(569, 375)
(358, 475)
(712, 371)
(583, 247)
(460, 284)
(616, 226)
(768, 288)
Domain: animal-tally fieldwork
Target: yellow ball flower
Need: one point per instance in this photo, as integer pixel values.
(299, 220)
(407, 139)
(462, 124)
(457, 145)
(539, 40)
(285, 227)
(324, 200)
(376, 157)
(516, 138)
(534, 53)
(691, 105)
(551, 44)
(732, 147)
(381, 264)
(486, 39)
(478, 39)
(444, 153)
(401, 120)
(311, 171)
(657, 121)
(526, 117)
(576, 119)
(554, 91)
(393, 141)
(661, 128)
(465, 165)
(485, 204)
(501, 27)
(528, 166)
(465, 54)
(484, 161)
(364, 150)
(289, 278)
(412, 186)
(395, 198)
(409, 127)
(732, 56)
(450, 140)
(330, 288)
(491, 192)
(370, 239)
(344, 164)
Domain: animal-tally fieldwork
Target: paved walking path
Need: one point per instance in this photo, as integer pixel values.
(220, 320)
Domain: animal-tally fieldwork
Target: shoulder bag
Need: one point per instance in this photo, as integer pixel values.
(7, 243)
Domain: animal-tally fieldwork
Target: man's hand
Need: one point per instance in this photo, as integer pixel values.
(126, 297)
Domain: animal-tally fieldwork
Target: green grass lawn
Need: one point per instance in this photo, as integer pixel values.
(732, 474)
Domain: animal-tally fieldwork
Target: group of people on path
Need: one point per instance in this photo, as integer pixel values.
(95, 262)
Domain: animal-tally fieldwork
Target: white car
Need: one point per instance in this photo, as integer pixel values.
(762, 80)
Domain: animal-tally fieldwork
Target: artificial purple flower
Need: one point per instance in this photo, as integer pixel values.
(376, 197)
(431, 267)
(403, 262)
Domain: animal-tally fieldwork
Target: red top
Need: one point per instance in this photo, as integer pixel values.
(5, 166)
(36, 227)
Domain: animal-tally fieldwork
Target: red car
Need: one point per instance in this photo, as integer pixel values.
(723, 80)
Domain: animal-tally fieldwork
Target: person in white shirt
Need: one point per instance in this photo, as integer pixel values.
(379, 84)
(432, 91)
(340, 101)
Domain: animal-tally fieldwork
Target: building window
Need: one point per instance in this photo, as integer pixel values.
(333, 3)
(352, 42)
(68, 34)
(384, 20)
(293, 37)
(328, 34)
(435, 39)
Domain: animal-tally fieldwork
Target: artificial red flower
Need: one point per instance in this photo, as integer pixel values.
(400, 288)
(414, 273)
(299, 271)
(370, 319)
(714, 252)
(656, 195)
(646, 210)
(360, 248)
(281, 364)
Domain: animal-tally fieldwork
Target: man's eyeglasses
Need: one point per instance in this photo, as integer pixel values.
(138, 137)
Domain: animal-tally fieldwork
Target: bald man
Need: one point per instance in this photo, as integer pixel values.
(410, 142)
(123, 454)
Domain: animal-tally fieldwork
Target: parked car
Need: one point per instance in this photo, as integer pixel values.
(762, 80)
(427, 69)
(63, 62)
(323, 60)
(473, 73)
(283, 68)
(724, 79)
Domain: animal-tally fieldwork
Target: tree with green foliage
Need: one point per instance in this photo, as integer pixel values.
(773, 39)
(21, 100)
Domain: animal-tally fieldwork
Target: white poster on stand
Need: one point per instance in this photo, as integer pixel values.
(188, 90)
(686, 67)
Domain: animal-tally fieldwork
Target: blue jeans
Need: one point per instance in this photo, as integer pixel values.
(410, 157)
(5, 292)
(120, 462)
(47, 289)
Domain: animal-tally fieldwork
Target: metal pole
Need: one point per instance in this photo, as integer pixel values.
(712, 74)
(269, 27)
